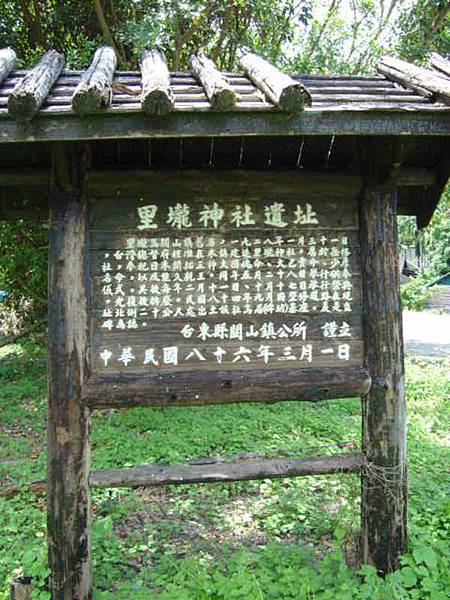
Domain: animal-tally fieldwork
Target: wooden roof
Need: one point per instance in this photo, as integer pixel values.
(49, 103)
(328, 93)
(258, 118)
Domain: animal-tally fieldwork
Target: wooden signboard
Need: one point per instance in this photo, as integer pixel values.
(198, 285)
(179, 288)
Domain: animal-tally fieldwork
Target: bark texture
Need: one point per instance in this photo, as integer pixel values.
(217, 89)
(30, 93)
(417, 78)
(286, 93)
(68, 504)
(157, 97)
(94, 90)
(384, 485)
(8, 61)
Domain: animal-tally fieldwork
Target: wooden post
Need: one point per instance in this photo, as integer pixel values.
(20, 588)
(384, 484)
(68, 420)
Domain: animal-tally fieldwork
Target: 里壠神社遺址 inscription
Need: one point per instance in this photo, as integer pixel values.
(227, 286)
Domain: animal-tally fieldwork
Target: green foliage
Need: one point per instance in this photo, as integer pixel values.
(415, 293)
(300, 35)
(285, 539)
(23, 274)
(434, 242)
(423, 28)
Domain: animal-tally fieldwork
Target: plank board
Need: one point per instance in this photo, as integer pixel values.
(194, 274)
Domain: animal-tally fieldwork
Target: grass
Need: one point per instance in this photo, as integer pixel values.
(291, 538)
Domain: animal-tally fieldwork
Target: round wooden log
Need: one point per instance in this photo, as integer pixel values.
(214, 470)
(94, 90)
(8, 60)
(30, 93)
(416, 77)
(217, 89)
(384, 485)
(210, 469)
(440, 63)
(157, 98)
(68, 450)
(281, 89)
(20, 588)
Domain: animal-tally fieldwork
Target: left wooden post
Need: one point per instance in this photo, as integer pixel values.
(68, 499)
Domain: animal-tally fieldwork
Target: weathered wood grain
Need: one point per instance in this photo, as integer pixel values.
(8, 61)
(440, 63)
(68, 503)
(251, 304)
(214, 470)
(21, 588)
(415, 77)
(219, 92)
(157, 97)
(384, 485)
(221, 387)
(322, 121)
(30, 93)
(94, 90)
(241, 467)
(286, 93)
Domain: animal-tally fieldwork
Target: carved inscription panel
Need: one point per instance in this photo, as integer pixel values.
(202, 280)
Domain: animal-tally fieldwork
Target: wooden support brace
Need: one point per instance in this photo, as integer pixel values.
(8, 61)
(68, 465)
(29, 94)
(415, 77)
(217, 89)
(439, 63)
(157, 97)
(94, 90)
(241, 467)
(384, 484)
(281, 89)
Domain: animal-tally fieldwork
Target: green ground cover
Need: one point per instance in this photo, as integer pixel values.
(286, 539)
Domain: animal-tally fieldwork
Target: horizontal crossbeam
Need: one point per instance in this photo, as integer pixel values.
(190, 388)
(239, 469)
(210, 470)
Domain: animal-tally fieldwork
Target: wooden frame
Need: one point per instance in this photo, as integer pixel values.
(309, 122)
(73, 391)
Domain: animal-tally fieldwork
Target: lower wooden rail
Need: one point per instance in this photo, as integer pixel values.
(237, 469)
(210, 470)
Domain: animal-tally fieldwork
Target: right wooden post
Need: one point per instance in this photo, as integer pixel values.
(384, 482)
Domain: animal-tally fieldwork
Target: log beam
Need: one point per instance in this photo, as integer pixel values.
(8, 61)
(417, 78)
(192, 388)
(384, 484)
(29, 94)
(439, 63)
(217, 89)
(94, 90)
(281, 89)
(68, 465)
(157, 97)
(213, 469)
